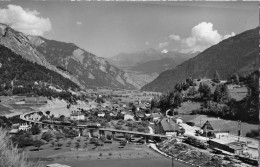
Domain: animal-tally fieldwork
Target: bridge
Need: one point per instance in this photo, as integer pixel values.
(90, 128)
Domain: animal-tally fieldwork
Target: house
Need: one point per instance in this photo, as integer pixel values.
(113, 113)
(140, 116)
(155, 117)
(77, 116)
(214, 128)
(24, 127)
(101, 114)
(167, 126)
(178, 120)
(128, 117)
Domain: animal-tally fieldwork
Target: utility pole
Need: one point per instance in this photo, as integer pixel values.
(172, 159)
(239, 129)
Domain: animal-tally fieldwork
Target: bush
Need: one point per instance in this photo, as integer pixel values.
(191, 123)
(47, 136)
(35, 130)
(38, 143)
(253, 134)
(59, 144)
(22, 139)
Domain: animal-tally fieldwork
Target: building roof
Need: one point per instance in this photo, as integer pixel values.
(169, 125)
(14, 131)
(155, 115)
(217, 125)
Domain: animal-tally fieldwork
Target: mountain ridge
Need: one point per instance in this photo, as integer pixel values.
(75, 63)
(236, 54)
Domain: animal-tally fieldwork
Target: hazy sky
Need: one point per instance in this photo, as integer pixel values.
(108, 28)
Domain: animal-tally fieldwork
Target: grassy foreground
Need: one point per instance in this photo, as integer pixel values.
(10, 155)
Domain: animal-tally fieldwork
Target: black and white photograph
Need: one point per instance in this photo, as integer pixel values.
(129, 83)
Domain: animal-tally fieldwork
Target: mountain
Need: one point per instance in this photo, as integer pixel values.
(21, 76)
(155, 66)
(238, 54)
(67, 59)
(143, 67)
(131, 61)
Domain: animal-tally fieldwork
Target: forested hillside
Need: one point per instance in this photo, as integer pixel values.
(20, 76)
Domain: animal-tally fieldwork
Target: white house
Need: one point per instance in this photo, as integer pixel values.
(77, 116)
(101, 114)
(24, 127)
(128, 117)
(178, 120)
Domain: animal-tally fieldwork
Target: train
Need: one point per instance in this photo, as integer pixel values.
(65, 123)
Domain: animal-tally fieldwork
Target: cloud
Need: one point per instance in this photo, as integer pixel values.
(174, 37)
(147, 43)
(79, 23)
(164, 51)
(163, 44)
(24, 20)
(229, 35)
(202, 37)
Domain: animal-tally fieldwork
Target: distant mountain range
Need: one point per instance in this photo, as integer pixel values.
(142, 61)
(238, 54)
(67, 59)
(145, 66)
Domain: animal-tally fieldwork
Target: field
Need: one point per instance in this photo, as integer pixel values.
(238, 93)
(4, 110)
(187, 107)
(131, 155)
(141, 162)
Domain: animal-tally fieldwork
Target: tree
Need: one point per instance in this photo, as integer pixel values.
(236, 78)
(178, 100)
(59, 145)
(216, 77)
(38, 143)
(224, 93)
(178, 87)
(133, 108)
(77, 146)
(204, 90)
(62, 117)
(47, 136)
(35, 130)
(22, 139)
(217, 94)
(189, 81)
(154, 103)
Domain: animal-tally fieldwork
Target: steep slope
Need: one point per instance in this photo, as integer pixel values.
(89, 69)
(238, 54)
(21, 45)
(18, 75)
(69, 60)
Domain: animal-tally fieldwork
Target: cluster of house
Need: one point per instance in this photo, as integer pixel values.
(217, 134)
(19, 127)
(34, 116)
(114, 110)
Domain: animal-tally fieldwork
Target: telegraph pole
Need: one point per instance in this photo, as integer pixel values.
(239, 129)
(172, 159)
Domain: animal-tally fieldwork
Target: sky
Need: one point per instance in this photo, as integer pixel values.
(109, 28)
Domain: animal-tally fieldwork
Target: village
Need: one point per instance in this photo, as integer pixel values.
(113, 118)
